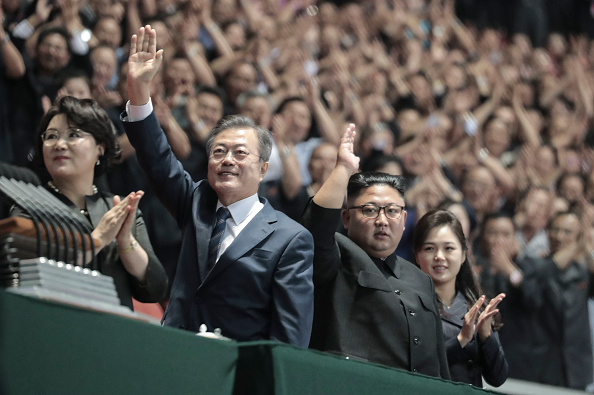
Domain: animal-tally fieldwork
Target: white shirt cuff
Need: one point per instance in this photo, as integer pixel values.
(78, 45)
(138, 113)
(23, 30)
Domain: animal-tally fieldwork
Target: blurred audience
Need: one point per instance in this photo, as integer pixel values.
(488, 105)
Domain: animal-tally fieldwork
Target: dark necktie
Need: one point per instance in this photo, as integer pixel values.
(217, 235)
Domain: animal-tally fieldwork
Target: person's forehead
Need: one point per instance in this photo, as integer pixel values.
(108, 24)
(545, 151)
(244, 135)
(244, 69)
(499, 224)
(481, 174)
(58, 121)
(104, 54)
(210, 98)
(75, 81)
(178, 63)
(324, 150)
(393, 168)
(458, 210)
(443, 233)
(297, 106)
(572, 180)
(381, 193)
(497, 125)
(54, 38)
(538, 195)
(234, 27)
(566, 221)
(257, 101)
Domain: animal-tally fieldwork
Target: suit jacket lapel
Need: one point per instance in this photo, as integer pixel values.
(96, 208)
(455, 314)
(204, 210)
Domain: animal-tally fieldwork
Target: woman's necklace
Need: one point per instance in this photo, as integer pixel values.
(57, 190)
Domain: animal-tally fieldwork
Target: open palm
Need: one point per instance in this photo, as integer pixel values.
(346, 150)
(144, 60)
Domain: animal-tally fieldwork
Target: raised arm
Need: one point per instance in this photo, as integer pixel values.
(322, 214)
(291, 178)
(325, 124)
(143, 64)
(137, 256)
(332, 192)
(13, 61)
(165, 173)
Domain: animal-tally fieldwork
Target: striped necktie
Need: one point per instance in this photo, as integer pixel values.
(217, 235)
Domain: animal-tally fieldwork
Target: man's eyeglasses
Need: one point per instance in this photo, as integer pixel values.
(70, 135)
(239, 154)
(392, 211)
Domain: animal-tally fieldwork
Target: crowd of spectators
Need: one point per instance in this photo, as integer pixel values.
(486, 106)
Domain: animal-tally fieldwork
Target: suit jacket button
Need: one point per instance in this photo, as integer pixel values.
(415, 340)
(398, 292)
(411, 312)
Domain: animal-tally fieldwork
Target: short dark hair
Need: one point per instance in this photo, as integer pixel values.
(73, 74)
(90, 117)
(236, 65)
(291, 99)
(54, 30)
(212, 90)
(241, 121)
(466, 172)
(245, 96)
(104, 46)
(568, 174)
(492, 216)
(378, 161)
(360, 181)
(571, 212)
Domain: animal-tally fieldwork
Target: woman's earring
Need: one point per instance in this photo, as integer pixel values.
(98, 162)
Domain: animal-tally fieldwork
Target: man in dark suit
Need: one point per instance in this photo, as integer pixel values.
(369, 303)
(255, 281)
(566, 281)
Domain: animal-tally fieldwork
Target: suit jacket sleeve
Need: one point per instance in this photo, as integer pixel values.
(495, 368)
(322, 222)
(454, 351)
(292, 293)
(154, 288)
(173, 186)
(529, 293)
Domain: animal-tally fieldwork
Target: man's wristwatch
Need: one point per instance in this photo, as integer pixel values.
(516, 277)
(482, 155)
(286, 151)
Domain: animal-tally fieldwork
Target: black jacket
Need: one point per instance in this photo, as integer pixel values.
(372, 310)
(564, 318)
